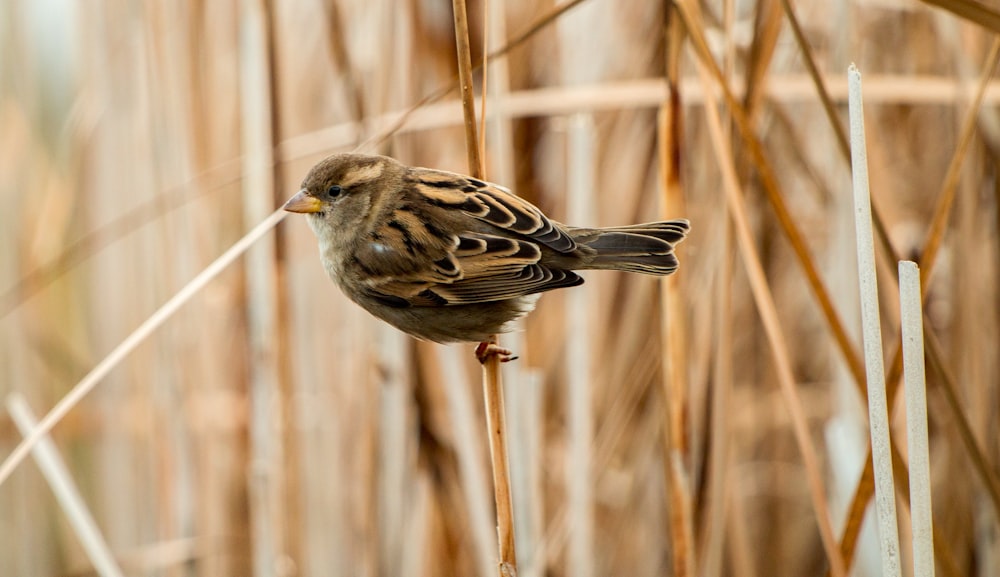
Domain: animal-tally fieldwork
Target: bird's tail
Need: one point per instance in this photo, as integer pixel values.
(644, 248)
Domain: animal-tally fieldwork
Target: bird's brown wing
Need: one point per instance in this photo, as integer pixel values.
(500, 268)
(491, 204)
(434, 268)
(478, 268)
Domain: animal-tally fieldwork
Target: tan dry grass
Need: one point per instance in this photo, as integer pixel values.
(122, 186)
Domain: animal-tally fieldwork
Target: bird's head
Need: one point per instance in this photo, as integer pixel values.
(338, 194)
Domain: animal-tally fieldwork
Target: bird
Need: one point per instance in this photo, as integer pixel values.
(449, 258)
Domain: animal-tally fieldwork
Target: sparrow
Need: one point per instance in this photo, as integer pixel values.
(446, 257)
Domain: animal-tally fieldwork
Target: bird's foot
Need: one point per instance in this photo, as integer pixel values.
(487, 349)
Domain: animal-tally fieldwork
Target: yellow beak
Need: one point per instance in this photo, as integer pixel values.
(303, 203)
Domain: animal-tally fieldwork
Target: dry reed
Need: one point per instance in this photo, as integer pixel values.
(135, 146)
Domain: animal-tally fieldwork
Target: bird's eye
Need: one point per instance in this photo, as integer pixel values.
(334, 191)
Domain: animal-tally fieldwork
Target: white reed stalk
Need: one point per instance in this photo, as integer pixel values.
(579, 382)
(878, 410)
(911, 315)
(55, 472)
(137, 337)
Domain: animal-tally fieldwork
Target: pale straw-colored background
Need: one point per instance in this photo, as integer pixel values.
(272, 428)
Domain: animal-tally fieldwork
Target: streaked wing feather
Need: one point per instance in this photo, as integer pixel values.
(470, 267)
(492, 268)
(532, 279)
(492, 204)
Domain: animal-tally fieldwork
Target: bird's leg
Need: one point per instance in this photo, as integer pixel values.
(487, 349)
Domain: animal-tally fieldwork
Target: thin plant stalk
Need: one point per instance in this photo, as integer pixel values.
(950, 187)
(674, 382)
(942, 209)
(61, 481)
(712, 532)
(767, 26)
(465, 86)
(492, 386)
(878, 409)
(581, 159)
(911, 318)
(496, 423)
(718, 485)
(824, 95)
(522, 385)
(978, 12)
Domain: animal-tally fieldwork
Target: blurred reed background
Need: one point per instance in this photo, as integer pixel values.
(273, 428)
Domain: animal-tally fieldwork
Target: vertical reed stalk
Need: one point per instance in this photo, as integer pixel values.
(939, 220)
(581, 158)
(465, 82)
(492, 386)
(672, 319)
(878, 410)
(911, 318)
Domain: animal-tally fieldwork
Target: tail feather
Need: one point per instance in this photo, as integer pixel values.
(644, 248)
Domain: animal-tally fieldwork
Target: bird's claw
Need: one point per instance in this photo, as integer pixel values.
(487, 349)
